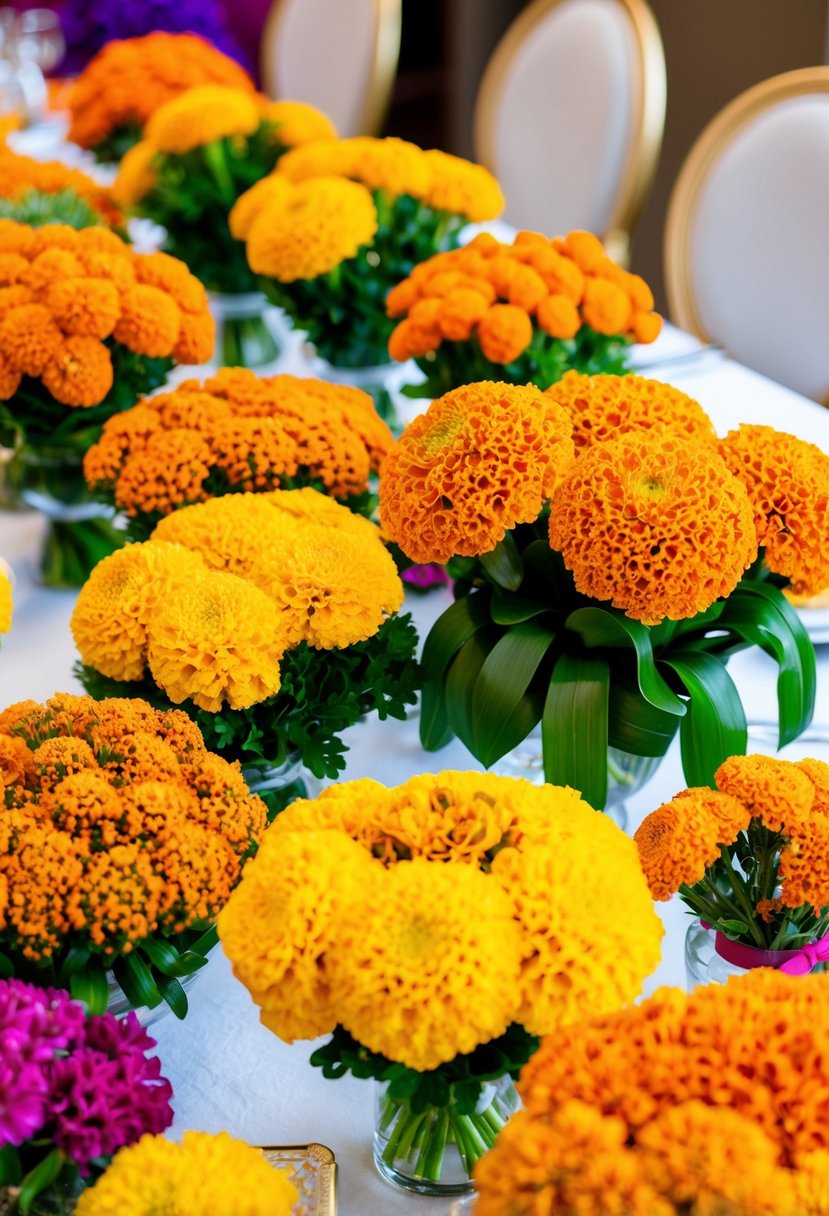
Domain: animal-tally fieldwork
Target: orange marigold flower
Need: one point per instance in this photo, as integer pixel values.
(602, 407)
(392, 165)
(787, 481)
(646, 327)
(526, 288)
(558, 316)
(103, 264)
(29, 338)
(459, 313)
(51, 265)
(196, 338)
(13, 297)
(80, 372)
(585, 249)
(504, 333)
(85, 306)
(55, 759)
(678, 841)
(12, 266)
(201, 115)
(803, 868)
(818, 773)
(777, 792)
(41, 871)
(168, 472)
(16, 762)
(606, 307)
(123, 435)
(150, 321)
(171, 275)
(626, 519)
(446, 488)
(9, 379)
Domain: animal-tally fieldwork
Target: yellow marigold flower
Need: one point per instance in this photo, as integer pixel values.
(297, 122)
(462, 188)
(80, 372)
(321, 223)
(504, 332)
(203, 1173)
(29, 338)
(392, 165)
(421, 930)
(201, 115)
(282, 922)
(249, 206)
(85, 306)
(136, 175)
(110, 619)
(445, 487)
(680, 839)
(150, 321)
(787, 481)
(602, 407)
(216, 641)
(5, 599)
(627, 519)
(238, 534)
(775, 791)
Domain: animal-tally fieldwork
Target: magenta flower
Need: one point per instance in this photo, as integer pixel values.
(23, 1091)
(424, 578)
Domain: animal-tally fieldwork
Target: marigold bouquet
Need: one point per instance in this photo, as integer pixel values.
(74, 1089)
(121, 837)
(30, 187)
(525, 312)
(610, 555)
(434, 930)
(749, 859)
(127, 81)
(342, 221)
(87, 327)
(680, 1106)
(271, 618)
(238, 433)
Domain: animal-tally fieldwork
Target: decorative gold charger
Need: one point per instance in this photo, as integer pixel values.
(313, 1171)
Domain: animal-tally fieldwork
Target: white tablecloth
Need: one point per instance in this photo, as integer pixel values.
(227, 1071)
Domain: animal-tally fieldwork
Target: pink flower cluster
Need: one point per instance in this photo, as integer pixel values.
(84, 1084)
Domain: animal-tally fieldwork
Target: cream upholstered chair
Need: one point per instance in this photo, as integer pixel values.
(746, 240)
(339, 55)
(570, 114)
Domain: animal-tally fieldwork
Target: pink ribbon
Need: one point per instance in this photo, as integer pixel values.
(793, 962)
(807, 957)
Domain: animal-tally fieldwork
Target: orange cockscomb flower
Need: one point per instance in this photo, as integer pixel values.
(777, 792)
(678, 841)
(626, 520)
(481, 459)
(787, 481)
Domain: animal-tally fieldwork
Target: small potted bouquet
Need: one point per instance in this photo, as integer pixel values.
(524, 312)
(201, 1173)
(87, 327)
(434, 931)
(749, 860)
(121, 837)
(609, 555)
(39, 192)
(115, 94)
(76, 1088)
(680, 1106)
(200, 151)
(341, 222)
(234, 433)
(271, 618)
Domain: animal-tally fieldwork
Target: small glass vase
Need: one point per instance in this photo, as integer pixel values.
(118, 1003)
(278, 785)
(432, 1152)
(710, 958)
(246, 330)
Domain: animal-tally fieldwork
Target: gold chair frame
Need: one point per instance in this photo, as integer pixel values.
(388, 18)
(650, 103)
(715, 139)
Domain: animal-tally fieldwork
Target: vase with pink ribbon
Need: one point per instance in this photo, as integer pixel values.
(750, 859)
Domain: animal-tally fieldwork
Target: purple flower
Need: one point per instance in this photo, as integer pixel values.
(23, 1091)
(37, 1022)
(424, 578)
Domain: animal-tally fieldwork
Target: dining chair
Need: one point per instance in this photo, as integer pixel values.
(570, 113)
(746, 248)
(339, 55)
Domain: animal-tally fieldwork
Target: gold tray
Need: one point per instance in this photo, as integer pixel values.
(313, 1171)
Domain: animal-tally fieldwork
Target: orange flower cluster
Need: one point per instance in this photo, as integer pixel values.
(128, 80)
(18, 174)
(680, 1106)
(787, 481)
(498, 294)
(115, 822)
(680, 841)
(252, 434)
(482, 458)
(66, 294)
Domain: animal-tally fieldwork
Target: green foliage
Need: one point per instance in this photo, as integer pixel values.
(36, 208)
(118, 143)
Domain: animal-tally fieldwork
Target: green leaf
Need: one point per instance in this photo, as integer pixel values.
(509, 608)
(574, 726)
(637, 726)
(206, 942)
(166, 958)
(599, 627)
(173, 994)
(714, 727)
(74, 960)
(448, 634)
(136, 979)
(10, 1169)
(460, 686)
(90, 986)
(732, 928)
(502, 713)
(37, 1180)
(503, 564)
(6, 967)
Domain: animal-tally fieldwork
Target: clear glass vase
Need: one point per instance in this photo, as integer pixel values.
(118, 1003)
(433, 1152)
(247, 330)
(711, 958)
(278, 785)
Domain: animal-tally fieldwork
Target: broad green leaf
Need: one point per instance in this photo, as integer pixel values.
(90, 986)
(510, 608)
(460, 686)
(37, 1180)
(503, 564)
(714, 727)
(137, 981)
(166, 958)
(206, 942)
(597, 627)
(10, 1169)
(574, 726)
(637, 726)
(173, 994)
(502, 713)
(74, 960)
(446, 637)
(6, 967)
(732, 928)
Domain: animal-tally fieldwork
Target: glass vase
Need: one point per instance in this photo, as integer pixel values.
(118, 1003)
(710, 958)
(246, 330)
(433, 1151)
(278, 785)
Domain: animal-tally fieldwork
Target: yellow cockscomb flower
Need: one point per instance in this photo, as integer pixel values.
(201, 115)
(203, 1173)
(480, 460)
(297, 122)
(626, 519)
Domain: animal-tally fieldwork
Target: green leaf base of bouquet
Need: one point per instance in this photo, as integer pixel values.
(73, 548)
(48, 1186)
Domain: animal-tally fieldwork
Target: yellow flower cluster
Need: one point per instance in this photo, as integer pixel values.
(115, 822)
(682, 1106)
(203, 1173)
(211, 602)
(426, 919)
(5, 598)
(18, 174)
(67, 296)
(129, 79)
(498, 294)
(252, 433)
